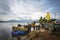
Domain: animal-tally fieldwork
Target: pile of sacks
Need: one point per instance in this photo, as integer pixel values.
(19, 28)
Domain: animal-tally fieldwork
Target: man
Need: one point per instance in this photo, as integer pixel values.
(33, 25)
(48, 17)
(37, 26)
(41, 22)
(19, 25)
(29, 28)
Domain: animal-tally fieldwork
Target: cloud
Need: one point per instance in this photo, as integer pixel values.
(4, 7)
(25, 9)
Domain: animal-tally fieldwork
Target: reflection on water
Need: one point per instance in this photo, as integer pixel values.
(5, 30)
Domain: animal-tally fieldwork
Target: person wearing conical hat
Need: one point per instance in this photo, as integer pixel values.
(48, 17)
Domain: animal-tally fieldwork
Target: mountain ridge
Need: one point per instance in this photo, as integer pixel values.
(19, 21)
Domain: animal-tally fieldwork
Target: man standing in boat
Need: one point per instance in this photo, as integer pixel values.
(19, 25)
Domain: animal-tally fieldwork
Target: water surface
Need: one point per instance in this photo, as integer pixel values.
(6, 28)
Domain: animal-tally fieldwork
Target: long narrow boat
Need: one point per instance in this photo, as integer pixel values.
(16, 31)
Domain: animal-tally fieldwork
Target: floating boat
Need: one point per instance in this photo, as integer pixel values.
(19, 31)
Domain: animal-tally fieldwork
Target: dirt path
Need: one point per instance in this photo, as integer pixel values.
(45, 36)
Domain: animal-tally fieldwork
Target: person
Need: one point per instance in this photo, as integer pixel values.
(48, 17)
(19, 25)
(41, 22)
(33, 25)
(37, 25)
(29, 28)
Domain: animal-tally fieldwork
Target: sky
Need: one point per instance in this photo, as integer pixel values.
(28, 9)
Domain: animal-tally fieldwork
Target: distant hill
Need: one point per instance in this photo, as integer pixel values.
(23, 21)
(2, 21)
(20, 20)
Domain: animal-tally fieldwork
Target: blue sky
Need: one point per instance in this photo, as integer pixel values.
(28, 9)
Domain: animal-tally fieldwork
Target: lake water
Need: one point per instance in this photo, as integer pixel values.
(5, 30)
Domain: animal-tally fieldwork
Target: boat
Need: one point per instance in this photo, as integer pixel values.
(16, 31)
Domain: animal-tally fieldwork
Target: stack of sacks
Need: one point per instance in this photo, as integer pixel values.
(14, 28)
(22, 29)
